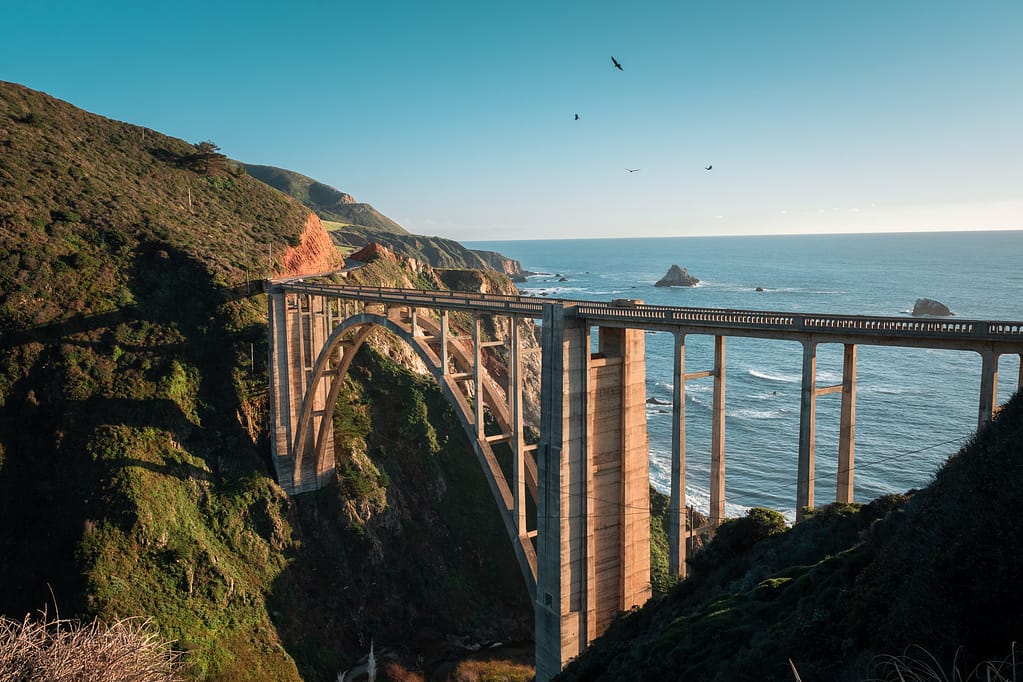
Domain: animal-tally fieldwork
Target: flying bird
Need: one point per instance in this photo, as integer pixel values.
(577, 117)
(707, 167)
(617, 65)
(633, 170)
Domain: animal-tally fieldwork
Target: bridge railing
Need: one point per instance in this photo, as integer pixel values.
(795, 323)
(628, 312)
(426, 298)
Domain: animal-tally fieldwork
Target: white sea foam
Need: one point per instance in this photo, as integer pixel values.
(748, 413)
(774, 376)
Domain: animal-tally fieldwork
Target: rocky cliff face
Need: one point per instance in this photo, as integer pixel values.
(315, 254)
(509, 266)
(436, 251)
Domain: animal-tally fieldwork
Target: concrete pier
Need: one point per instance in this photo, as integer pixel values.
(593, 554)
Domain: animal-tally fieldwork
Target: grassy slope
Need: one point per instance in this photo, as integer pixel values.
(353, 225)
(133, 470)
(327, 202)
(938, 569)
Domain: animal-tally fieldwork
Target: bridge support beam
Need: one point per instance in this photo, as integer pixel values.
(717, 437)
(847, 428)
(988, 387)
(807, 429)
(593, 555)
(677, 502)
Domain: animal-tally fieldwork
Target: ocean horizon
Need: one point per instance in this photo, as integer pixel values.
(915, 407)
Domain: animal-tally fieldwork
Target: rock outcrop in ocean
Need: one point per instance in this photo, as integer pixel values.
(677, 277)
(928, 306)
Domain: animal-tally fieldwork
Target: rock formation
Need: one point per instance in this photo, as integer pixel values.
(927, 306)
(677, 277)
(370, 253)
(316, 252)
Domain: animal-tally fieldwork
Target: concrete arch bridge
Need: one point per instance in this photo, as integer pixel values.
(576, 503)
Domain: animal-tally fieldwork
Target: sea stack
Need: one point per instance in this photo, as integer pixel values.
(677, 277)
(927, 306)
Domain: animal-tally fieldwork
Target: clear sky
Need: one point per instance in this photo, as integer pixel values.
(458, 118)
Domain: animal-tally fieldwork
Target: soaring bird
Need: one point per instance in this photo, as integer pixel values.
(577, 117)
(633, 170)
(707, 167)
(617, 65)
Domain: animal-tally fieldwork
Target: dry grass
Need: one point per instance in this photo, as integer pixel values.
(34, 650)
(919, 665)
(492, 671)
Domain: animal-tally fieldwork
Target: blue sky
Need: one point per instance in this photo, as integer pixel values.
(457, 118)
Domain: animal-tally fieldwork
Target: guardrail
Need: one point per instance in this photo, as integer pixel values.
(425, 298)
(630, 313)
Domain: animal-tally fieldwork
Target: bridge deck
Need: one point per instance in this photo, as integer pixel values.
(957, 334)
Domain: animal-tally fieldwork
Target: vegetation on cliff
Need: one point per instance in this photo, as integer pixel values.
(134, 474)
(328, 203)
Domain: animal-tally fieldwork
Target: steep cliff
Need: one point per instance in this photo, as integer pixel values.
(315, 254)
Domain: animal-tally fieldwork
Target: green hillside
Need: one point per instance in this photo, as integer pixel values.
(134, 469)
(327, 202)
(353, 225)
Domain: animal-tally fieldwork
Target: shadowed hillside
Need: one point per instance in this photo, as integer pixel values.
(134, 464)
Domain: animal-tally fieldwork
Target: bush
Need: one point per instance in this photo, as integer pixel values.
(736, 536)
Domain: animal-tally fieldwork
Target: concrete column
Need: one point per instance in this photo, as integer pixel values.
(321, 466)
(588, 505)
(516, 411)
(677, 505)
(847, 428)
(807, 429)
(444, 341)
(279, 367)
(717, 441)
(477, 339)
(635, 474)
(301, 345)
(988, 387)
(560, 631)
(593, 550)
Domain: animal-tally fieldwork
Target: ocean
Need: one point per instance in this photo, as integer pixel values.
(914, 407)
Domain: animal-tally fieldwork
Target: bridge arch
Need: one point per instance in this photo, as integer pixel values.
(324, 359)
